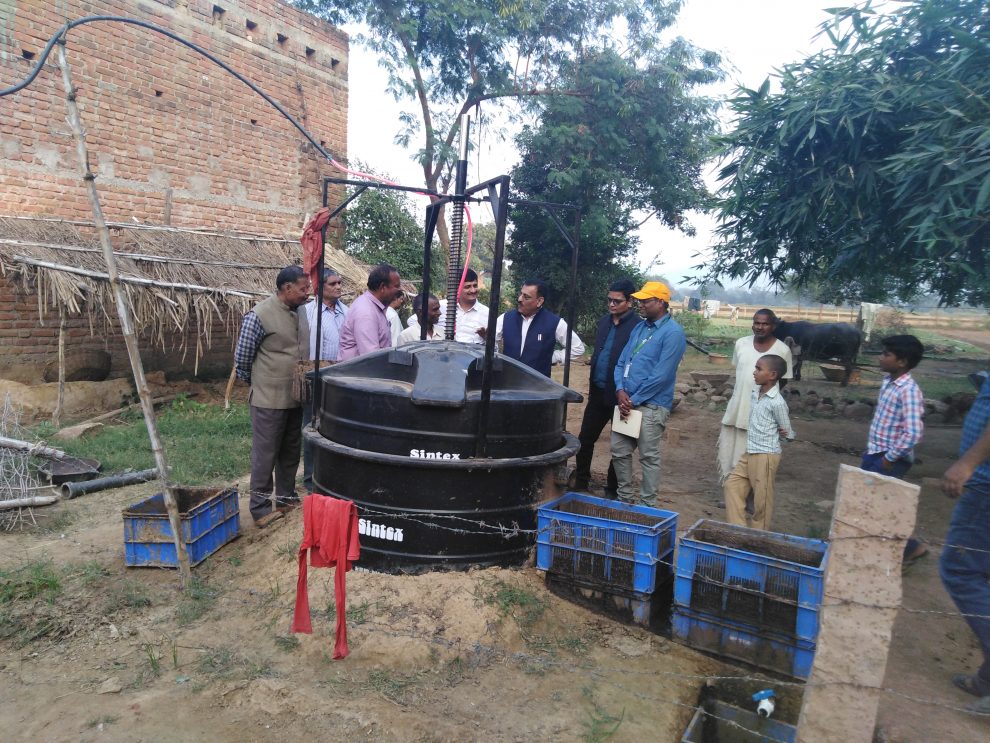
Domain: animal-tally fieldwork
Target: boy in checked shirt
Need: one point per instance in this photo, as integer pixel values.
(757, 468)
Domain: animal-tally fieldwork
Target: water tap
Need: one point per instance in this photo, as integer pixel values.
(765, 702)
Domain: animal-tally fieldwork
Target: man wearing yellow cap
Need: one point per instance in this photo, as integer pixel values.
(644, 380)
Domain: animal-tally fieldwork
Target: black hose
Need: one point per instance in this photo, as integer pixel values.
(75, 489)
(61, 34)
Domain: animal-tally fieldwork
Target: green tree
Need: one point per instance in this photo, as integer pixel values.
(448, 56)
(868, 174)
(379, 227)
(630, 140)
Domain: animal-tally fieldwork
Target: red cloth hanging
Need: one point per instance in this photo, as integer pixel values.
(330, 534)
(312, 242)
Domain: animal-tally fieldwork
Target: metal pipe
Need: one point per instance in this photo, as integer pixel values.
(75, 489)
(457, 231)
(501, 210)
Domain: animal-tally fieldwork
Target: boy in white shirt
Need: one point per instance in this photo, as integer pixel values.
(757, 468)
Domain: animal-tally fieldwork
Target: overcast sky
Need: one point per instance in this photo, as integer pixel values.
(753, 37)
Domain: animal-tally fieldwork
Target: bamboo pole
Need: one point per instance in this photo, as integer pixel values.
(123, 312)
(31, 448)
(28, 502)
(27, 260)
(60, 402)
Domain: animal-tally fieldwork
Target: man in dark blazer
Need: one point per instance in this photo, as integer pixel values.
(530, 333)
(611, 337)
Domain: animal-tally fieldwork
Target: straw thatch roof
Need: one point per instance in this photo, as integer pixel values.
(173, 278)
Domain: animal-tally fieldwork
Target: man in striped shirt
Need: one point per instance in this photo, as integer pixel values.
(757, 467)
(896, 427)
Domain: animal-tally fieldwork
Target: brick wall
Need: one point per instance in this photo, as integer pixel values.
(173, 139)
(30, 341)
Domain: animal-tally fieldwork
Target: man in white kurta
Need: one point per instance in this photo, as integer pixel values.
(732, 438)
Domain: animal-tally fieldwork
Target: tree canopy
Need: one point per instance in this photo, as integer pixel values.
(379, 228)
(447, 56)
(630, 141)
(869, 172)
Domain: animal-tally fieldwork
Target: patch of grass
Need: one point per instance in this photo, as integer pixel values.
(31, 580)
(933, 338)
(288, 551)
(206, 444)
(573, 644)
(129, 595)
(104, 721)
(154, 666)
(226, 663)
(198, 600)
(696, 326)
(522, 605)
(391, 686)
(364, 611)
(221, 661)
(601, 725)
(936, 386)
(287, 643)
(91, 572)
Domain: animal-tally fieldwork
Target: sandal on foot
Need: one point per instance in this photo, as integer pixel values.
(269, 518)
(972, 684)
(916, 550)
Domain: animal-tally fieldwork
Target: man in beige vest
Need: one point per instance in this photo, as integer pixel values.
(265, 357)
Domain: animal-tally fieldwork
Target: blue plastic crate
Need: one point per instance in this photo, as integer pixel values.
(210, 518)
(735, 724)
(765, 650)
(611, 543)
(768, 582)
(644, 609)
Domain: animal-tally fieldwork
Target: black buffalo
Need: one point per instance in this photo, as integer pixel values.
(834, 340)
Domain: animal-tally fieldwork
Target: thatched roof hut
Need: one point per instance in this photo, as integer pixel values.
(176, 280)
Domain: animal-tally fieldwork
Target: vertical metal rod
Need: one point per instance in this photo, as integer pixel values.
(317, 387)
(432, 215)
(457, 230)
(495, 299)
(124, 315)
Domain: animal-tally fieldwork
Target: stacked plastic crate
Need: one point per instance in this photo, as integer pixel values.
(619, 552)
(209, 518)
(750, 595)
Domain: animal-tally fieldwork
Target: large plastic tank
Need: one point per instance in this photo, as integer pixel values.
(398, 435)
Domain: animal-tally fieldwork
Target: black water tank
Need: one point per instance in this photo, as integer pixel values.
(397, 435)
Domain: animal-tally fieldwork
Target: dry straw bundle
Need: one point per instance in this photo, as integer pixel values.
(174, 278)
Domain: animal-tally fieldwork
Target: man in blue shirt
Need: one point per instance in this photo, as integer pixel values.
(334, 311)
(613, 332)
(965, 562)
(644, 380)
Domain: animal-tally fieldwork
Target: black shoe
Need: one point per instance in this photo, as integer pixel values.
(610, 493)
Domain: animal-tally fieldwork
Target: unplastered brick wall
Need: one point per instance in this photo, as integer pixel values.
(29, 341)
(173, 138)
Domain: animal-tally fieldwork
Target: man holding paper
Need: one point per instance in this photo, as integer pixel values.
(644, 387)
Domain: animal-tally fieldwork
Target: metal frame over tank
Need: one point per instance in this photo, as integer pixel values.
(445, 448)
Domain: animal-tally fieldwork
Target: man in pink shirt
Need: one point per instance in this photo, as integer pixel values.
(366, 328)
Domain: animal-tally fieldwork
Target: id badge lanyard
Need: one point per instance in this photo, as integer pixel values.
(639, 346)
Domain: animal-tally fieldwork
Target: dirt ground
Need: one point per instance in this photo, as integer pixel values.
(487, 655)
